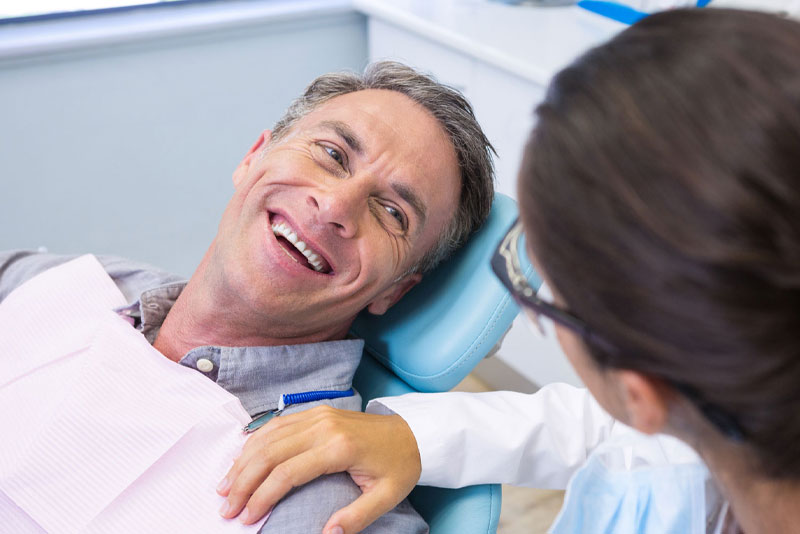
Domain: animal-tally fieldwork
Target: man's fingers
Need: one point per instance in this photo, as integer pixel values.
(292, 473)
(362, 512)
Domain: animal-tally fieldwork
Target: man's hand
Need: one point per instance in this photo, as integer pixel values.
(379, 451)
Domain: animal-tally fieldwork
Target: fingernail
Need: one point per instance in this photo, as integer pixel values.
(244, 515)
(336, 530)
(224, 509)
(223, 485)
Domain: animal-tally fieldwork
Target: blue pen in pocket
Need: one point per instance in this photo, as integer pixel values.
(293, 398)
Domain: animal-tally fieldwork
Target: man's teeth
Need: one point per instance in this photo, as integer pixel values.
(282, 229)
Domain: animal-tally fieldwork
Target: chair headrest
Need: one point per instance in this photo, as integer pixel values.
(445, 325)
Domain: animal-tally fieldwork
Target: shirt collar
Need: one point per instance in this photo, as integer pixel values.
(148, 313)
(256, 375)
(259, 375)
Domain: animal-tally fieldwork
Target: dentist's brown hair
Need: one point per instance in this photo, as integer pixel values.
(661, 192)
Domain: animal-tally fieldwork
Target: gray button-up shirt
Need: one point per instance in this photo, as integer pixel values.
(256, 375)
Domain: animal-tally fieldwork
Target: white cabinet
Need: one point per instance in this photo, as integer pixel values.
(504, 106)
(388, 41)
(504, 75)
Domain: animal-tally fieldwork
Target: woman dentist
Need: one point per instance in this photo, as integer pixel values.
(660, 200)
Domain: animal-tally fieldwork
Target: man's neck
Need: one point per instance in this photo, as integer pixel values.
(204, 315)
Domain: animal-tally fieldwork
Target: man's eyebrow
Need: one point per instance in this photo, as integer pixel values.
(346, 133)
(413, 199)
(405, 192)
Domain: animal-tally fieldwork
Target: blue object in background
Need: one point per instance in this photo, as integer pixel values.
(612, 10)
(620, 12)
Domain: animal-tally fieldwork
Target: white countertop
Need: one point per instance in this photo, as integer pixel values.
(94, 30)
(531, 42)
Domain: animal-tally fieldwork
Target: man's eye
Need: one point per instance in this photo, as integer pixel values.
(396, 213)
(335, 154)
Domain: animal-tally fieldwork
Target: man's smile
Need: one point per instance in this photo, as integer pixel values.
(296, 247)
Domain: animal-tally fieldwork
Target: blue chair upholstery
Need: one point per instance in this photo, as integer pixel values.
(430, 341)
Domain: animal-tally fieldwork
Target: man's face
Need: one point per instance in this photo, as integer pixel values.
(367, 182)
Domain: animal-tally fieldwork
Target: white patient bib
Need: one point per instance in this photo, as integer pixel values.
(99, 432)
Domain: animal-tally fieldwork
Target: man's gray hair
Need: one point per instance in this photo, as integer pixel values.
(454, 113)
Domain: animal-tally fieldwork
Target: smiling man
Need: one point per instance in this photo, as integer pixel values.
(367, 182)
(330, 216)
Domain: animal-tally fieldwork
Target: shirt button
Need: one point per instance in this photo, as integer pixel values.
(204, 365)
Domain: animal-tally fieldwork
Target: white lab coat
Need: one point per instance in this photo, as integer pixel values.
(504, 437)
(537, 440)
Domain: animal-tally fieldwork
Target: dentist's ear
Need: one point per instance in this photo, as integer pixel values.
(645, 400)
(393, 293)
(242, 168)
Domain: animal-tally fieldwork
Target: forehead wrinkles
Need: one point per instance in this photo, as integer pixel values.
(425, 160)
(398, 150)
(402, 142)
(385, 117)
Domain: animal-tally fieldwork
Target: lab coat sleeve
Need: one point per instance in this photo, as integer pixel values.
(536, 440)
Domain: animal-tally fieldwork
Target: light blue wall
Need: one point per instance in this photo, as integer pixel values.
(129, 150)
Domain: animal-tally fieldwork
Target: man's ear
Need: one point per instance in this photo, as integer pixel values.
(393, 293)
(645, 400)
(242, 168)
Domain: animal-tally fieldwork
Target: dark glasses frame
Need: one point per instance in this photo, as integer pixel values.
(507, 267)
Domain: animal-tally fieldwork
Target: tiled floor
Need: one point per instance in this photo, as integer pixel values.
(527, 510)
(524, 510)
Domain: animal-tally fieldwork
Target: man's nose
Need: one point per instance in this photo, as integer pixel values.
(340, 205)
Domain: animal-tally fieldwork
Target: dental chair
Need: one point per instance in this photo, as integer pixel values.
(431, 340)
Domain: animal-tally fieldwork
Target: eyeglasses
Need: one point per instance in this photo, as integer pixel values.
(507, 265)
